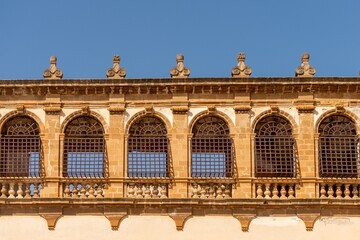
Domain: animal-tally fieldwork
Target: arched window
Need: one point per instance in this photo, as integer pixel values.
(274, 148)
(84, 149)
(21, 154)
(148, 149)
(338, 151)
(212, 152)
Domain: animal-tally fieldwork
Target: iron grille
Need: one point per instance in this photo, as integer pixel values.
(84, 149)
(274, 148)
(338, 147)
(148, 149)
(211, 149)
(21, 154)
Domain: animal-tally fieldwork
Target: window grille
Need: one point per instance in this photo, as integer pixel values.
(274, 148)
(21, 154)
(84, 149)
(338, 147)
(148, 149)
(211, 149)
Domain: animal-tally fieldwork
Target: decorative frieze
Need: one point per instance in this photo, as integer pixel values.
(180, 71)
(53, 72)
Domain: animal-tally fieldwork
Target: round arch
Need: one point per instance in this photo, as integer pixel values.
(218, 114)
(142, 114)
(29, 114)
(346, 113)
(80, 113)
(280, 113)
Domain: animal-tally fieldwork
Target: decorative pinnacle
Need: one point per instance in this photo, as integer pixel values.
(180, 71)
(116, 72)
(52, 72)
(241, 70)
(305, 70)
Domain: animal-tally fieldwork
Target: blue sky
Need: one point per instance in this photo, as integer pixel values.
(84, 35)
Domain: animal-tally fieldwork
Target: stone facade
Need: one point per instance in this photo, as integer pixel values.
(180, 103)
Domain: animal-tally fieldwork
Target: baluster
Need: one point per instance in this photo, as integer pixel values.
(147, 191)
(347, 191)
(36, 190)
(267, 190)
(203, 191)
(211, 191)
(219, 192)
(131, 190)
(11, 191)
(195, 191)
(75, 191)
(27, 190)
(82, 190)
(67, 191)
(338, 191)
(322, 191)
(100, 190)
(355, 191)
(330, 191)
(275, 191)
(4, 190)
(163, 191)
(259, 191)
(19, 192)
(283, 191)
(155, 192)
(291, 191)
(227, 191)
(139, 192)
(91, 191)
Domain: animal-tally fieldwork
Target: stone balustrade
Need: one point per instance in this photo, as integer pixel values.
(276, 190)
(211, 190)
(87, 189)
(147, 190)
(339, 190)
(19, 189)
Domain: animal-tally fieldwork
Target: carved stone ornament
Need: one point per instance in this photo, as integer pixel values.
(305, 70)
(241, 70)
(52, 110)
(180, 109)
(305, 108)
(180, 71)
(116, 109)
(52, 72)
(116, 72)
(242, 109)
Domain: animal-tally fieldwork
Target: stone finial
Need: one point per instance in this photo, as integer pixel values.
(241, 70)
(52, 72)
(305, 70)
(180, 71)
(116, 72)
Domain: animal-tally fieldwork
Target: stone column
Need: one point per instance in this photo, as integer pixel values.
(306, 148)
(51, 147)
(242, 141)
(115, 147)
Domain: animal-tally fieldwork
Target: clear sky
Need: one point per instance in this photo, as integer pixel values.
(85, 34)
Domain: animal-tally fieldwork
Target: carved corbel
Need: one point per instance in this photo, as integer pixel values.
(274, 110)
(305, 70)
(340, 108)
(244, 109)
(20, 109)
(305, 108)
(51, 220)
(309, 219)
(180, 109)
(149, 109)
(85, 109)
(180, 216)
(52, 72)
(211, 109)
(180, 71)
(115, 220)
(245, 220)
(52, 109)
(118, 109)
